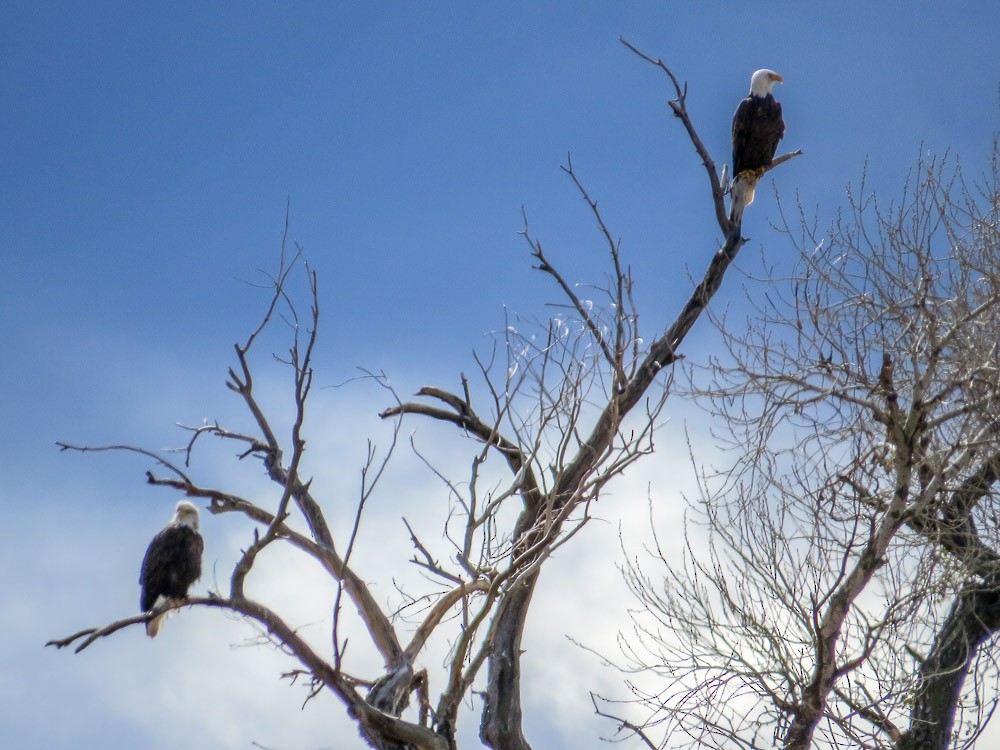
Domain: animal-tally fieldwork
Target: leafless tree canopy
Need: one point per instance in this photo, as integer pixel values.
(562, 407)
(841, 573)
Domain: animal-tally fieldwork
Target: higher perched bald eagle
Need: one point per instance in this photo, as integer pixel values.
(757, 128)
(172, 563)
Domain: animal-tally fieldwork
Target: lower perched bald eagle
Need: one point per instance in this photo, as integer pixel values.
(757, 128)
(172, 563)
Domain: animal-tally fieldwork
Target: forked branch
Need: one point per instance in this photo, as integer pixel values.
(679, 107)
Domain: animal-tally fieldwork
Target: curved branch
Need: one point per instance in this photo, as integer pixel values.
(464, 417)
(679, 107)
(375, 724)
(623, 724)
(90, 635)
(439, 610)
(127, 448)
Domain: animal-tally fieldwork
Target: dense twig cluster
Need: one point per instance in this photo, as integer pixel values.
(861, 410)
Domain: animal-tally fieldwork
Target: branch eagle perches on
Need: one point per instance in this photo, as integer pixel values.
(732, 220)
(553, 485)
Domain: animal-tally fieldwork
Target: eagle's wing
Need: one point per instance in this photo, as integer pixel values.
(171, 564)
(741, 135)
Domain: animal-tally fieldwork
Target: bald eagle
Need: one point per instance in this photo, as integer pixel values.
(757, 128)
(172, 563)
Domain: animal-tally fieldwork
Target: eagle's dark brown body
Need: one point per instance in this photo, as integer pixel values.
(757, 128)
(172, 563)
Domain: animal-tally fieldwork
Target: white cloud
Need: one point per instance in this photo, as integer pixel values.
(191, 686)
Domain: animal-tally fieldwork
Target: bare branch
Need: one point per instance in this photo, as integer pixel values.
(129, 449)
(679, 107)
(624, 724)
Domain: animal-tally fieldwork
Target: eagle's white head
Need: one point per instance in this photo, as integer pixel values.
(762, 81)
(186, 514)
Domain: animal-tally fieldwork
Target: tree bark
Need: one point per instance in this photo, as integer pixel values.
(974, 618)
(501, 723)
(500, 728)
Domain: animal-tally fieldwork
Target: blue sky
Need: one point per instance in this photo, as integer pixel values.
(148, 157)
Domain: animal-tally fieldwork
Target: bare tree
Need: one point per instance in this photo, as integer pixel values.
(557, 410)
(859, 414)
